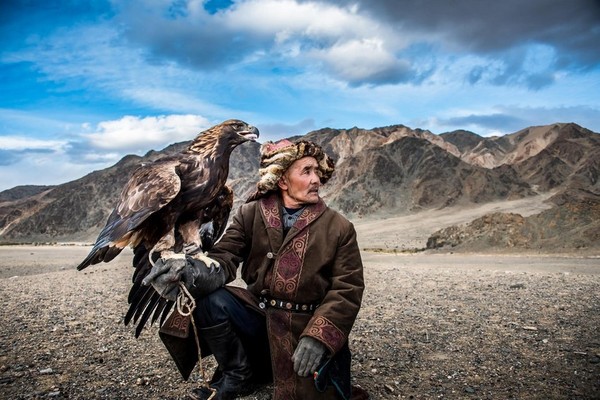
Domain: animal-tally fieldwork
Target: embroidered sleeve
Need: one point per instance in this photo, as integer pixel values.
(326, 332)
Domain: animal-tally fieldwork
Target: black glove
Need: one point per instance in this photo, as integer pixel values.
(202, 275)
(308, 355)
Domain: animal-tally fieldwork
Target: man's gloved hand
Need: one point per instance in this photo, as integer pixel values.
(308, 355)
(165, 275)
(200, 274)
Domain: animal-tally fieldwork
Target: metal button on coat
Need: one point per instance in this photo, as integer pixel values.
(270, 255)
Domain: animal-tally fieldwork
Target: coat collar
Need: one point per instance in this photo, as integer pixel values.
(270, 207)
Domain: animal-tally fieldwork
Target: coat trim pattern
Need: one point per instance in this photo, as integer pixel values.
(279, 326)
(270, 210)
(324, 330)
(288, 267)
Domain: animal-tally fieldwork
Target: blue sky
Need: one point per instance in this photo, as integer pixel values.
(86, 82)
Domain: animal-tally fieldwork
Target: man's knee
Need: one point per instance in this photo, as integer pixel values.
(213, 309)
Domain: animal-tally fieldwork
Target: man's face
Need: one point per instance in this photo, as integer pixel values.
(300, 183)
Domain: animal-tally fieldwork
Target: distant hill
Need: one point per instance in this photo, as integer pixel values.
(380, 172)
(21, 192)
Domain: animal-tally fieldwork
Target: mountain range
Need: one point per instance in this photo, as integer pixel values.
(380, 172)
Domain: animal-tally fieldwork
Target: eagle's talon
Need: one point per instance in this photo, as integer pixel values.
(192, 249)
(209, 262)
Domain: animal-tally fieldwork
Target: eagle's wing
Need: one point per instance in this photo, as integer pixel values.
(144, 302)
(149, 189)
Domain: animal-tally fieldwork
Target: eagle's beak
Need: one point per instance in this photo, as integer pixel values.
(250, 134)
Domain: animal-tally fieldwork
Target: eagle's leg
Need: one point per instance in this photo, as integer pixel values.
(190, 233)
(164, 246)
(192, 242)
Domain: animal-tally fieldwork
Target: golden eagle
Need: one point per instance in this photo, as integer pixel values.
(177, 203)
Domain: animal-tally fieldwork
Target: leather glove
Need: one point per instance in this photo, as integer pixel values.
(308, 355)
(165, 275)
(202, 275)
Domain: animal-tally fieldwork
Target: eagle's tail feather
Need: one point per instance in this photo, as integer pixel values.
(150, 309)
(162, 304)
(166, 311)
(146, 300)
(136, 301)
(146, 305)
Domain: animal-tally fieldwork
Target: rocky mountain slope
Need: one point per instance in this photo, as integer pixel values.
(381, 172)
(561, 157)
(574, 225)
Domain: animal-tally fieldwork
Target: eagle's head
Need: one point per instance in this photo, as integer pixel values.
(223, 137)
(238, 131)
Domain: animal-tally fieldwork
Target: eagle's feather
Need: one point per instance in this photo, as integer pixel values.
(177, 202)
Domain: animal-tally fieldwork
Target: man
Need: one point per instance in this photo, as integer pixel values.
(304, 275)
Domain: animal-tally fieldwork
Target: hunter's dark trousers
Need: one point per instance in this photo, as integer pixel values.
(250, 326)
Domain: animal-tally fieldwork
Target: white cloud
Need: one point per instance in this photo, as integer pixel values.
(364, 60)
(310, 19)
(351, 46)
(315, 24)
(24, 143)
(141, 134)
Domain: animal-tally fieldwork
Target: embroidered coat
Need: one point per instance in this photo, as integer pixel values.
(318, 261)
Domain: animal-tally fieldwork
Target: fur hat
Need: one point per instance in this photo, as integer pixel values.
(276, 158)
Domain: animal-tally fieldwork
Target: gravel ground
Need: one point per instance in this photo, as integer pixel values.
(431, 326)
